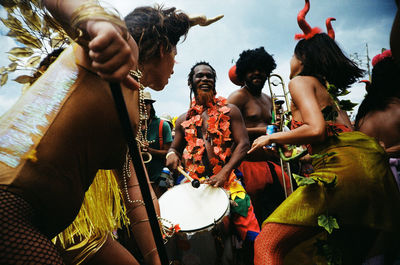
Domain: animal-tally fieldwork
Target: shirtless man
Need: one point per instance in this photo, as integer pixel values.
(253, 68)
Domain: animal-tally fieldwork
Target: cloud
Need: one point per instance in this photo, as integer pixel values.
(256, 23)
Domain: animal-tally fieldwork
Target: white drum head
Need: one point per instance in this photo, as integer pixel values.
(194, 209)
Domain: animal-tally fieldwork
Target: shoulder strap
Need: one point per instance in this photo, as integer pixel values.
(160, 135)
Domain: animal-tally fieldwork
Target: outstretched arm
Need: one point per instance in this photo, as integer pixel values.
(313, 130)
(112, 52)
(241, 140)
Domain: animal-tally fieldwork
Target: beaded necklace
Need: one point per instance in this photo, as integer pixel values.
(218, 133)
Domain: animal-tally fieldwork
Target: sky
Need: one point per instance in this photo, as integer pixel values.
(248, 25)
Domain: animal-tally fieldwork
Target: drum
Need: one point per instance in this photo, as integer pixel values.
(199, 212)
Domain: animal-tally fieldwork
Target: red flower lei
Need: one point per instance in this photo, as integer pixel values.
(217, 130)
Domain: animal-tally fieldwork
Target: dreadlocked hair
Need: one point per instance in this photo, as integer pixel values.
(254, 59)
(382, 91)
(152, 27)
(190, 76)
(323, 59)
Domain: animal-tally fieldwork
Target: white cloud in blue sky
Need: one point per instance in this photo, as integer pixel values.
(251, 24)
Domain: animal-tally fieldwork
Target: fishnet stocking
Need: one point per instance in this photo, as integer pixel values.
(20, 241)
(276, 240)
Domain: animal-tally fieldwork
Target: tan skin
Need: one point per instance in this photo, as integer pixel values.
(110, 54)
(385, 127)
(156, 73)
(256, 109)
(309, 97)
(110, 57)
(204, 79)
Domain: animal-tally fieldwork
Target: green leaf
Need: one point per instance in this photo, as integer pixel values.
(33, 61)
(29, 40)
(322, 155)
(329, 113)
(329, 184)
(21, 52)
(328, 222)
(56, 41)
(32, 19)
(326, 250)
(347, 105)
(3, 79)
(302, 181)
(23, 79)
(12, 58)
(8, 3)
(12, 67)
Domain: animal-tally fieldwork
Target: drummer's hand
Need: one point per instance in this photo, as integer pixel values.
(217, 180)
(111, 54)
(260, 142)
(172, 161)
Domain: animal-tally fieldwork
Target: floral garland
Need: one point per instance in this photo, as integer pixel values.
(217, 131)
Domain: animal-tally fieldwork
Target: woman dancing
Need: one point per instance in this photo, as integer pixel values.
(349, 207)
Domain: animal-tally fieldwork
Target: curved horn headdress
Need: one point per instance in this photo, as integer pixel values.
(329, 28)
(305, 27)
(202, 20)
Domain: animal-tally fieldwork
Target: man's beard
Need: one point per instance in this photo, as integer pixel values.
(254, 89)
(204, 97)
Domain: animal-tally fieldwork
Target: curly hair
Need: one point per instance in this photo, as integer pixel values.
(190, 75)
(254, 59)
(323, 59)
(383, 89)
(152, 27)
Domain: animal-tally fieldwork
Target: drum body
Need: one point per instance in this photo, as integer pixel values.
(200, 214)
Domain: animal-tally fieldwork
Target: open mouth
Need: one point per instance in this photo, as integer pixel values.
(205, 86)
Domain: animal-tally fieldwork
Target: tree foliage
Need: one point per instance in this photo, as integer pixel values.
(37, 33)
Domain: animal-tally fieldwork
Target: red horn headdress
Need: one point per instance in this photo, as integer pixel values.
(233, 76)
(331, 32)
(305, 27)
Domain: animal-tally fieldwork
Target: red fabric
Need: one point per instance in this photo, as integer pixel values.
(379, 57)
(244, 224)
(257, 175)
(160, 136)
(331, 129)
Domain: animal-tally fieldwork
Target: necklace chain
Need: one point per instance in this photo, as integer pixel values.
(140, 136)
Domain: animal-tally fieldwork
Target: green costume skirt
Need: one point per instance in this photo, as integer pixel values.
(365, 195)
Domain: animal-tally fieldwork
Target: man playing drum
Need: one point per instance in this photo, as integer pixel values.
(211, 140)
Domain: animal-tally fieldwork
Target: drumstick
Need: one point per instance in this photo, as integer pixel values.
(195, 182)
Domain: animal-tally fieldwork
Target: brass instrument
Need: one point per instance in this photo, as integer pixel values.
(279, 116)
